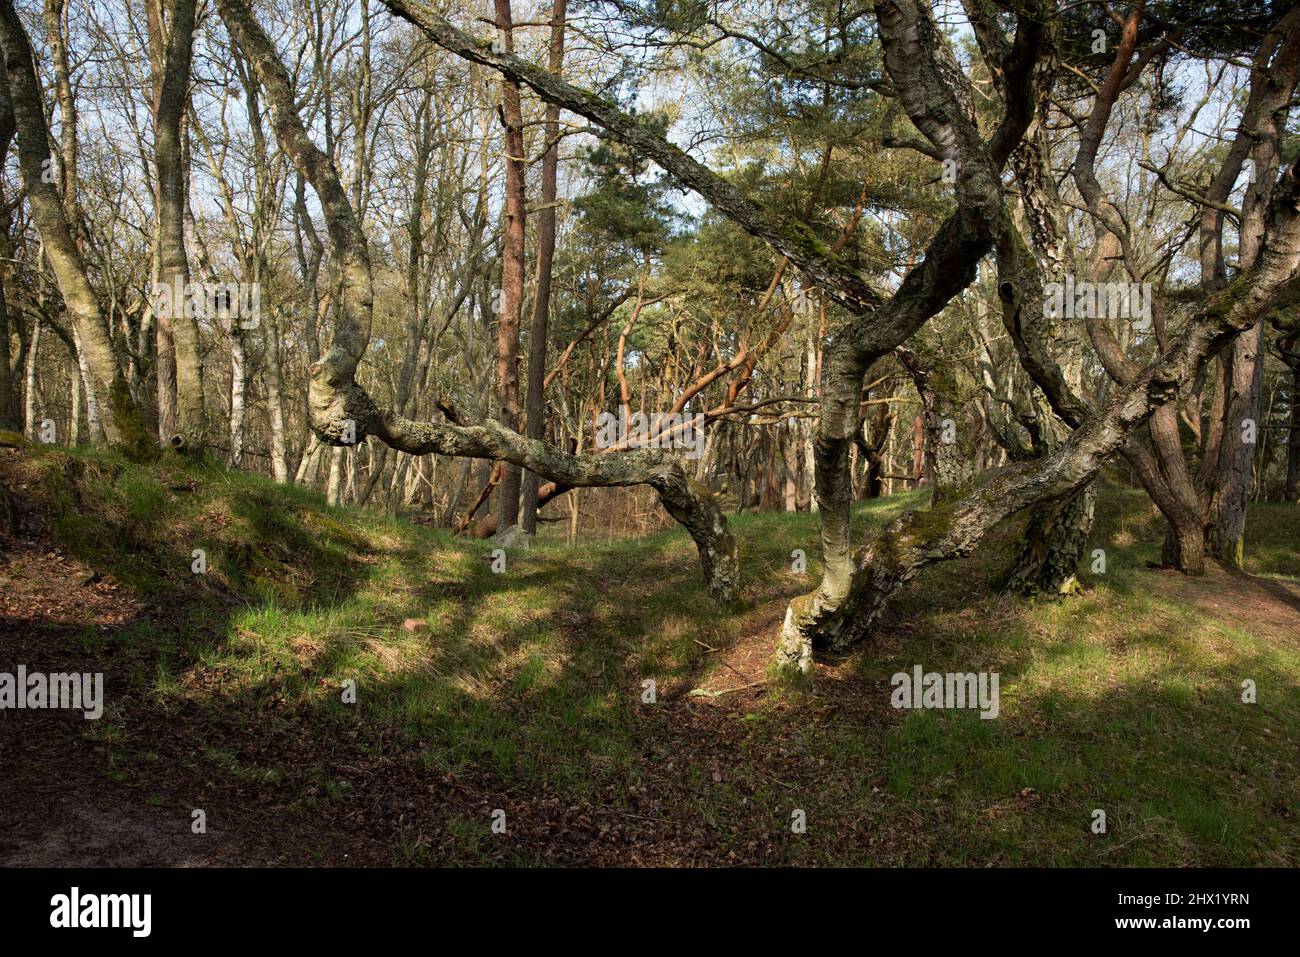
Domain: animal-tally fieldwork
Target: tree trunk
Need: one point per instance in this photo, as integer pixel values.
(173, 262)
(306, 474)
(1184, 547)
(835, 617)
(535, 399)
(1242, 429)
(334, 487)
(238, 395)
(945, 464)
(1292, 490)
(29, 392)
(512, 274)
(74, 396)
(8, 396)
(93, 423)
(274, 378)
(1055, 538)
(8, 390)
(121, 419)
(789, 452)
(165, 367)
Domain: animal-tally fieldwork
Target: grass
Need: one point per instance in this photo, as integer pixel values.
(529, 684)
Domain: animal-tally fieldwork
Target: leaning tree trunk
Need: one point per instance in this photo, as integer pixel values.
(922, 66)
(920, 538)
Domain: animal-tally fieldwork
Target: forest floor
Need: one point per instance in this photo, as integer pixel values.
(524, 693)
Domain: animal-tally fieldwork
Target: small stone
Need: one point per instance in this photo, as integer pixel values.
(414, 624)
(512, 537)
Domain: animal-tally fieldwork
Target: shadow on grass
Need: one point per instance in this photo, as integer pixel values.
(527, 687)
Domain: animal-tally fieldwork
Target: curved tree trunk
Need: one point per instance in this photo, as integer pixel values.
(1057, 531)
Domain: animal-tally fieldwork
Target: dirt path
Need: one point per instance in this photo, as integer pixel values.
(1264, 605)
(58, 804)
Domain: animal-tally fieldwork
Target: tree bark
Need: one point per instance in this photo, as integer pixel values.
(1242, 429)
(1055, 538)
(238, 395)
(1291, 491)
(29, 391)
(173, 262)
(535, 397)
(512, 272)
(274, 378)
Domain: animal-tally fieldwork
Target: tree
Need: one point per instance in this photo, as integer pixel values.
(936, 96)
(122, 422)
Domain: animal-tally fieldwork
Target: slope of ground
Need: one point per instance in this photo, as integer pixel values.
(525, 693)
